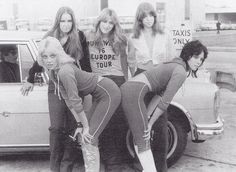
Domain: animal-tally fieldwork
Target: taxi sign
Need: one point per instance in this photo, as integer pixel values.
(180, 35)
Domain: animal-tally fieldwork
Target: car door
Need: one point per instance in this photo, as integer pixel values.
(24, 120)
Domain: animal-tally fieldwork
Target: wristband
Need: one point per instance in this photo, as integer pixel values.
(79, 125)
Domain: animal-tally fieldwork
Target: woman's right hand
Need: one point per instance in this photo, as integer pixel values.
(86, 137)
(84, 132)
(26, 88)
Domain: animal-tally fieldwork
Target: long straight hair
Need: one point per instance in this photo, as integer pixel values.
(116, 36)
(73, 46)
(143, 10)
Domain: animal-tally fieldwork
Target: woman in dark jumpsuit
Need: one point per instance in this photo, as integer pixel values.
(62, 156)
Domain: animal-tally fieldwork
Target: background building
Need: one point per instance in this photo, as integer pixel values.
(170, 12)
(225, 14)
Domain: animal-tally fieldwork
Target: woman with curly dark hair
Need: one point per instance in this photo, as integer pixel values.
(163, 80)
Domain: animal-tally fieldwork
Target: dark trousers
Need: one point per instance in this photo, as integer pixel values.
(106, 98)
(63, 151)
(113, 139)
(160, 141)
(159, 144)
(133, 94)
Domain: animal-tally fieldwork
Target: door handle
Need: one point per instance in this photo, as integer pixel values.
(6, 114)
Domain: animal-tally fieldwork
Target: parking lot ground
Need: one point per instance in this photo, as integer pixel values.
(217, 154)
(199, 164)
(227, 38)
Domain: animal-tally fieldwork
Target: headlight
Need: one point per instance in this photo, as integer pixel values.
(224, 80)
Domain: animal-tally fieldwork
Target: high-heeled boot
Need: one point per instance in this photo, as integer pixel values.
(91, 158)
(147, 161)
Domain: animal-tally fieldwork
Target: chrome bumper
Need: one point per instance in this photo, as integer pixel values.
(203, 132)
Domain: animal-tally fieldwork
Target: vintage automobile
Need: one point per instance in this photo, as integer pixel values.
(24, 120)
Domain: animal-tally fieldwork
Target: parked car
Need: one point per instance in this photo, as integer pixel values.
(226, 26)
(24, 120)
(22, 24)
(44, 24)
(208, 25)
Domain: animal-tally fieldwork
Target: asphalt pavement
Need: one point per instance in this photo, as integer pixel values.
(217, 154)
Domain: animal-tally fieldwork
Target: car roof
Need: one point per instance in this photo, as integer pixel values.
(21, 35)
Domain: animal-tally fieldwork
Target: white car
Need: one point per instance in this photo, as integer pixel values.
(24, 120)
(208, 25)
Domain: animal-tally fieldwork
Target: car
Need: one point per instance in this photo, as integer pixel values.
(85, 24)
(44, 24)
(22, 24)
(226, 26)
(24, 120)
(208, 25)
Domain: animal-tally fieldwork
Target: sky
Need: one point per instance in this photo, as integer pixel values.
(34, 9)
(42, 8)
(221, 3)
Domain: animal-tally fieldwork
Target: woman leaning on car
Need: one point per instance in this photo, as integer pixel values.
(149, 46)
(72, 83)
(164, 80)
(62, 121)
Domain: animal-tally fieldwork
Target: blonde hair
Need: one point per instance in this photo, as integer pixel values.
(143, 10)
(51, 42)
(116, 35)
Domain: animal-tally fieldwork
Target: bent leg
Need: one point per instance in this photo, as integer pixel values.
(133, 94)
(113, 138)
(106, 100)
(136, 112)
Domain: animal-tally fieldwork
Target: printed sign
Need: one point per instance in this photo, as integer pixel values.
(180, 36)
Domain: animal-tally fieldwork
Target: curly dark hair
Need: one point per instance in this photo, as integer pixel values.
(193, 48)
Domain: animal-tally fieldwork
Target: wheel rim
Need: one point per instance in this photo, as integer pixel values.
(172, 141)
(129, 144)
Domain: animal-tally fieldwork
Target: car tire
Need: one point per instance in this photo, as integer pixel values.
(177, 138)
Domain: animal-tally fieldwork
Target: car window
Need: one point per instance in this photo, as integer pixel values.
(37, 42)
(26, 59)
(9, 63)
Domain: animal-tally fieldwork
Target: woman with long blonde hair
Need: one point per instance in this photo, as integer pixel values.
(73, 41)
(107, 38)
(72, 83)
(107, 46)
